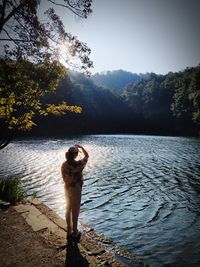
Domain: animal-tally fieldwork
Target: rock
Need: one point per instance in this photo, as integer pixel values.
(35, 201)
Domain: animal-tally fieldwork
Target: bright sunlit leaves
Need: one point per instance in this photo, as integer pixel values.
(22, 88)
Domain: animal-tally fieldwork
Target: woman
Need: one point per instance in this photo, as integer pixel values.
(72, 175)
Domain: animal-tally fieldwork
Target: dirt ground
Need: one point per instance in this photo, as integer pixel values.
(22, 247)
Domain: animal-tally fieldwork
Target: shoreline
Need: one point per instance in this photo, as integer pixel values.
(49, 228)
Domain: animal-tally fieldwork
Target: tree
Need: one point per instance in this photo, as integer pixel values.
(23, 84)
(25, 35)
(181, 105)
(29, 65)
(194, 96)
(186, 104)
(133, 97)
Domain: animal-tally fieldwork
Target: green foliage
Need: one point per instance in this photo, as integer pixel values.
(31, 47)
(103, 111)
(158, 104)
(186, 104)
(168, 100)
(181, 106)
(150, 97)
(194, 95)
(23, 84)
(96, 101)
(11, 190)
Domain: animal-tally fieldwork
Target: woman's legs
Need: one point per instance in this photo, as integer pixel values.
(69, 220)
(68, 213)
(76, 202)
(73, 199)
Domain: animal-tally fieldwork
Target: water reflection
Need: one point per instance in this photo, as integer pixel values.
(143, 191)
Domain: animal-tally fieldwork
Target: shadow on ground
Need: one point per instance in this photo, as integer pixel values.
(74, 257)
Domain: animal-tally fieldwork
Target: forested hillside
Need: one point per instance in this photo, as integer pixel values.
(155, 104)
(116, 80)
(170, 102)
(102, 111)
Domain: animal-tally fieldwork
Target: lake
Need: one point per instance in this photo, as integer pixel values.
(142, 191)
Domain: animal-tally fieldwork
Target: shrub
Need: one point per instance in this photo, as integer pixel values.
(11, 190)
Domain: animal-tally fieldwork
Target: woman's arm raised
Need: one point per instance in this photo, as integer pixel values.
(84, 151)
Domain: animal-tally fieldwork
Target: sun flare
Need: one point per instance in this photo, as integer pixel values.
(63, 53)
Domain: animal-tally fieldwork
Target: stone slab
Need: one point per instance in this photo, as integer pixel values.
(35, 218)
(52, 215)
(22, 208)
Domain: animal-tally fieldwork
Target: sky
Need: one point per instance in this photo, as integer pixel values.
(140, 35)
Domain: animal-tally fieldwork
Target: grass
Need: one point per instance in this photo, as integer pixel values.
(11, 190)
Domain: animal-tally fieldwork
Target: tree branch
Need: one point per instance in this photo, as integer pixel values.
(69, 7)
(14, 11)
(3, 10)
(10, 38)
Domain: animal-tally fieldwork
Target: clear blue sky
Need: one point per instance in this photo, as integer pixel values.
(140, 35)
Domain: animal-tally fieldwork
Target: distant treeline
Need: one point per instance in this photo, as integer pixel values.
(145, 103)
(116, 80)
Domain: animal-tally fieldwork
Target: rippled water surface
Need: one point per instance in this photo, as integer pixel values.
(143, 191)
